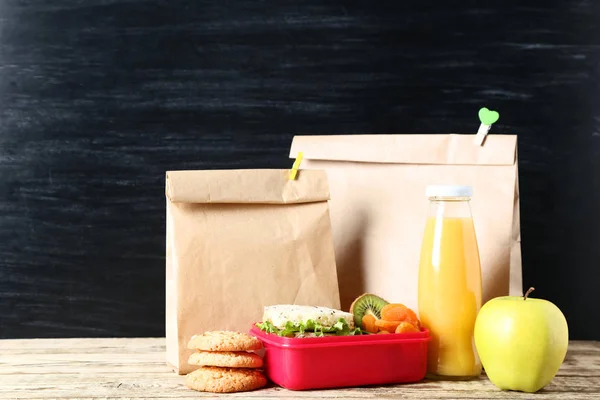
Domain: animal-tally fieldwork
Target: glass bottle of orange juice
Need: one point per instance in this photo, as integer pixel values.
(450, 283)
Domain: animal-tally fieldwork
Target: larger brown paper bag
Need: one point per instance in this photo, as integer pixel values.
(239, 240)
(378, 206)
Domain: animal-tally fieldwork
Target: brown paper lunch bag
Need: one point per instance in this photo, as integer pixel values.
(239, 240)
(378, 206)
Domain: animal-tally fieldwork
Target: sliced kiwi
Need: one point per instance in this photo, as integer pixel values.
(366, 304)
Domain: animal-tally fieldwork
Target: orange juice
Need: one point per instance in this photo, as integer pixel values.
(450, 289)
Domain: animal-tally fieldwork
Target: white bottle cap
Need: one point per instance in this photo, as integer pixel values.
(449, 191)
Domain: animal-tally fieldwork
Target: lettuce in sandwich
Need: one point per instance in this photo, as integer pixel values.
(307, 321)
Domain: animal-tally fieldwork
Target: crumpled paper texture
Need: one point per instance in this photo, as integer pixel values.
(239, 240)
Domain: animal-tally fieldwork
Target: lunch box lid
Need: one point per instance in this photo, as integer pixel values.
(346, 340)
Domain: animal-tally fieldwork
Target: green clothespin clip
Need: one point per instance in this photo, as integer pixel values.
(487, 118)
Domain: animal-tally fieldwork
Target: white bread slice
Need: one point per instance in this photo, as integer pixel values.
(278, 315)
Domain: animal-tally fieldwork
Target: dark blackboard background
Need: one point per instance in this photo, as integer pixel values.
(99, 98)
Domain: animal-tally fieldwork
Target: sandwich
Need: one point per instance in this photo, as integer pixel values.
(307, 321)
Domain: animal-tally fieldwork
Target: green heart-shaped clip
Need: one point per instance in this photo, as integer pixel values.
(488, 117)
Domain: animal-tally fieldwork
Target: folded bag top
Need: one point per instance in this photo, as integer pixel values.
(434, 149)
(262, 186)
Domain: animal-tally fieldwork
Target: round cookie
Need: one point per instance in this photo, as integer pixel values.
(224, 380)
(231, 359)
(224, 341)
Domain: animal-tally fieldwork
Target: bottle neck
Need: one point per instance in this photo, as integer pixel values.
(449, 199)
(449, 207)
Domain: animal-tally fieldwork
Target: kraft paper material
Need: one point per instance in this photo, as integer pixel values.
(239, 240)
(378, 206)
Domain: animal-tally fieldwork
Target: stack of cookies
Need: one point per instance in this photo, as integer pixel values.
(227, 362)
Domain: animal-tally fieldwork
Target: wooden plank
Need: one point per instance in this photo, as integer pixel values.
(135, 368)
(156, 387)
(23, 346)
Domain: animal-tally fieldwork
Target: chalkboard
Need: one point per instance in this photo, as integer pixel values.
(99, 98)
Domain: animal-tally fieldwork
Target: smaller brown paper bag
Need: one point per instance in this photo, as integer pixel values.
(239, 240)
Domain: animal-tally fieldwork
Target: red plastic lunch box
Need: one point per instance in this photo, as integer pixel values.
(342, 361)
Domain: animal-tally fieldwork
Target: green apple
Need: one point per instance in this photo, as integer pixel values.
(521, 341)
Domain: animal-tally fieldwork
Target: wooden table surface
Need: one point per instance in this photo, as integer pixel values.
(135, 368)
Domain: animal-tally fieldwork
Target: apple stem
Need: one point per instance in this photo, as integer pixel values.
(531, 289)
